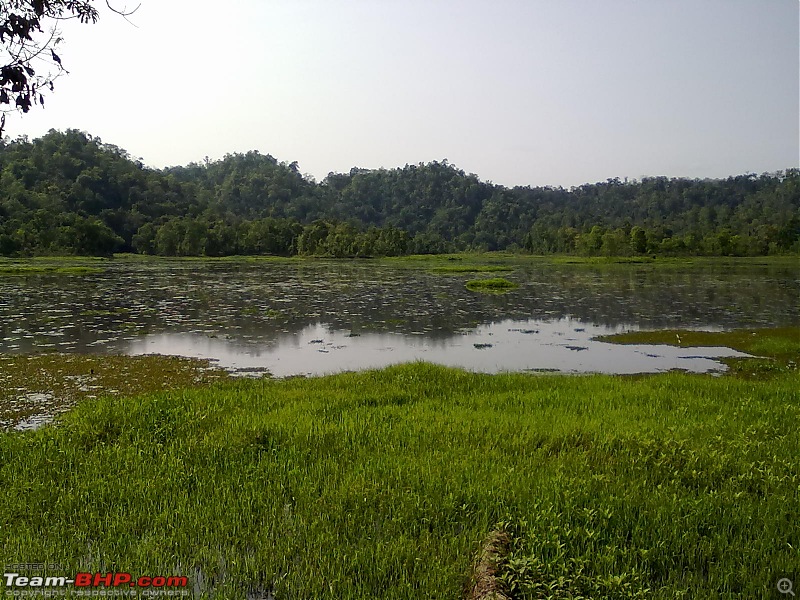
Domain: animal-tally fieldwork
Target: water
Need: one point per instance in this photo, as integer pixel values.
(316, 317)
(507, 345)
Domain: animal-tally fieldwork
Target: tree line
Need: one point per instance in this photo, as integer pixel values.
(70, 193)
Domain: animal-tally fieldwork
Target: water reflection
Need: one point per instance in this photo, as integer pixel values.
(317, 349)
(316, 317)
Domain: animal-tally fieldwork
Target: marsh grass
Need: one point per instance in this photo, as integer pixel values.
(52, 265)
(467, 261)
(43, 269)
(437, 263)
(384, 484)
(496, 285)
(602, 260)
(266, 258)
(777, 349)
(666, 262)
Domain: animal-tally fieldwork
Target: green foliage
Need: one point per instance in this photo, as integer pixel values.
(69, 193)
(638, 240)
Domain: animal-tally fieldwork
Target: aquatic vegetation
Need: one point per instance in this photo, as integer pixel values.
(600, 260)
(666, 262)
(119, 310)
(39, 269)
(778, 348)
(35, 387)
(236, 259)
(496, 285)
(471, 269)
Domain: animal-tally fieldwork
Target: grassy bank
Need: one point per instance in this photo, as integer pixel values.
(383, 484)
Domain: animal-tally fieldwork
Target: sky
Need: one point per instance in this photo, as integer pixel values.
(520, 92)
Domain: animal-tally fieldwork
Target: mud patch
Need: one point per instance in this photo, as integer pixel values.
(485, 582)
(34, 388)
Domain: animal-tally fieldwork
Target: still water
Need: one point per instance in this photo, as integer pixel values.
(303, 317)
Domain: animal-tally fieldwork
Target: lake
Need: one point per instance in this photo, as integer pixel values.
(311, 317)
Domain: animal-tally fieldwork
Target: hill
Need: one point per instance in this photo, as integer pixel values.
(70, 193)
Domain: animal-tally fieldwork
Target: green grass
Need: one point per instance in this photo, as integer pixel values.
(496, 285)
(383, 484)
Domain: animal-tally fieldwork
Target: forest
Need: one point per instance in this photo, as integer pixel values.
(69, 193)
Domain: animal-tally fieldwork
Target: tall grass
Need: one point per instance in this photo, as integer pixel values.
(382, 484)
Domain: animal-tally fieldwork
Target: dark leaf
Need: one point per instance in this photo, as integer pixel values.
(24, 102)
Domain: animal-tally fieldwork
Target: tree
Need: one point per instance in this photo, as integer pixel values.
(169, 237)
(144, 242)
(638, 240)
(93, 237)
(615, 243)
(29, 37)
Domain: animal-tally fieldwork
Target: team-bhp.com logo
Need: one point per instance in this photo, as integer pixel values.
(90, 583)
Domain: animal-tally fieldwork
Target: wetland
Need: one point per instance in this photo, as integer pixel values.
(288, 317)
(383, 482)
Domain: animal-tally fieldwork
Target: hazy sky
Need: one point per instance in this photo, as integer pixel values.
(538, 92)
